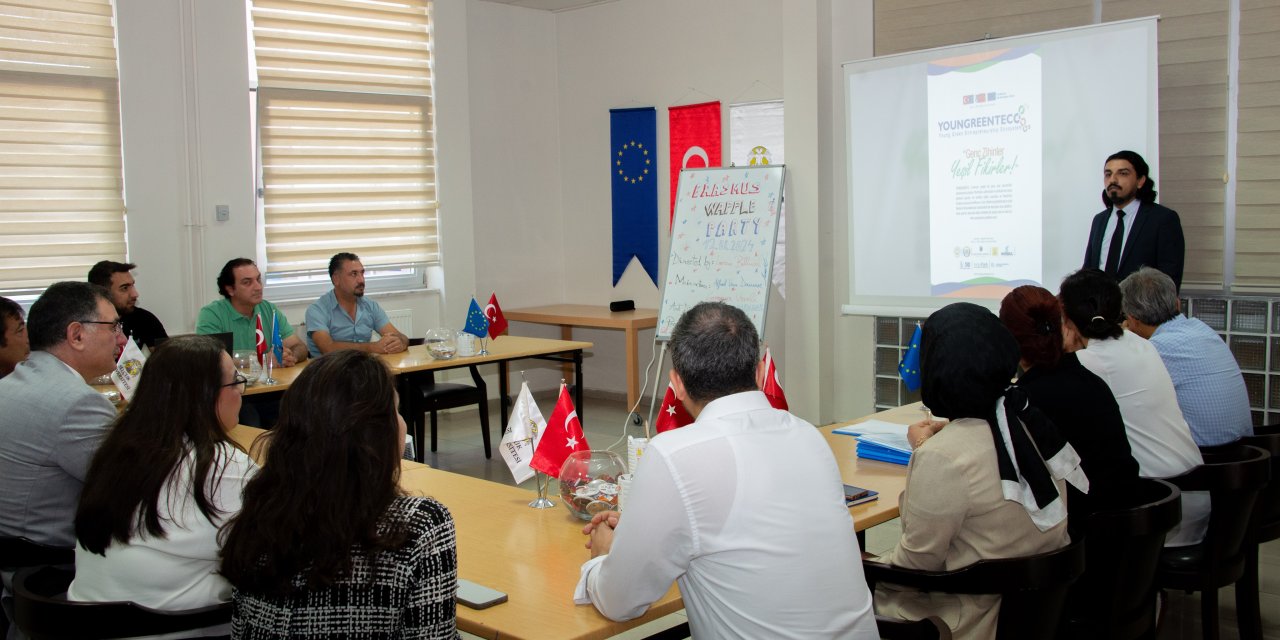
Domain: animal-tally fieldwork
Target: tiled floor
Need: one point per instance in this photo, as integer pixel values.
(459, 450)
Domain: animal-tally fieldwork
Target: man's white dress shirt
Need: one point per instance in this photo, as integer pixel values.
(745, 509)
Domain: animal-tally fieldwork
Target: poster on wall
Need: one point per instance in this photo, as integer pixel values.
(694, 132)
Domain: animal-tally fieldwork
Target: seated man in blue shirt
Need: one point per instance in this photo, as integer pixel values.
(1205, 374)
(345, 319)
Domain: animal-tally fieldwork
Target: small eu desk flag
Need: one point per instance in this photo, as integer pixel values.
(909, 368)
(477, 324)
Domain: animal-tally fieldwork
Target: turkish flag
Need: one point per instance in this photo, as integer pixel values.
(672, 415)
(772, 386)
(497, 322)
(695, 142)
(562, 437)
(262, 340)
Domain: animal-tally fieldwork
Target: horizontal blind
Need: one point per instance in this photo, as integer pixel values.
(911, 25)
(61, 203)
(1193, 122)
(347, 172)
(1258, 150)
(346, 131)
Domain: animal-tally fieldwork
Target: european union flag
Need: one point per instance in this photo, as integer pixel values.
(277, 345)
(909, 368)
(477, 323)
(633, 163)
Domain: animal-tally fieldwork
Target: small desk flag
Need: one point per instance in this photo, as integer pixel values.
(772, 385)
(260, 338)
(672, 414)
(128, 370)
(477, 324)
(562, 437)
(277, 344)
(909, 368)
(524, 430)
(493, 313)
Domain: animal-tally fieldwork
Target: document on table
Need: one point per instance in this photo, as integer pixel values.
(874, 427)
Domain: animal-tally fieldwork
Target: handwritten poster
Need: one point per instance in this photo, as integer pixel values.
(722, 238)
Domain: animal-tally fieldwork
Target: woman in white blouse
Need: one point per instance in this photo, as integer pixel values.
(1158, 435)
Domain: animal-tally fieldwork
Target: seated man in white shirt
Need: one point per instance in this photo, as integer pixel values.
(744, 508)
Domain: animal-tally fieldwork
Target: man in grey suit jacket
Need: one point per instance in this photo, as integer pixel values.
(1149, 235)
(52, 421)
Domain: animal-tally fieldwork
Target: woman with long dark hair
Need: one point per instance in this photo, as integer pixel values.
(1078, 402)
(1158, 434)
(162, 482)
(327, 546)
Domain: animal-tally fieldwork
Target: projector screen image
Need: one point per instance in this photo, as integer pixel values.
(977, 168)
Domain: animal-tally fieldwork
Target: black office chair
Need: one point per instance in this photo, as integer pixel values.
(1233, 475)
(432, 396)
(16, 553)
(43, 613)
(1116, 596)
(1264, 527)
(1032, 589)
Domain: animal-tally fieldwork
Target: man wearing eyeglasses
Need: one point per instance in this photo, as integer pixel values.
(53, 420)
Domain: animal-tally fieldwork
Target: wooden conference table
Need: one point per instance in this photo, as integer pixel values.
(568, 316)
(533, 555)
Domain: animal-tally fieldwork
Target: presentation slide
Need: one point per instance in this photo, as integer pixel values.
(977, 168)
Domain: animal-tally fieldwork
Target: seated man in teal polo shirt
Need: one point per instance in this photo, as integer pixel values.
(345, 319)
(240, 284)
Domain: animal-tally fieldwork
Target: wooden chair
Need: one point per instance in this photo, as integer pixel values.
(1032, 589)
(42, 611)
(1233, 476)
(1116, 596)
(1264, 527)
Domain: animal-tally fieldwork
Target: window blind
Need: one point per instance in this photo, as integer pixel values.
(61, 202)
(1258, 150)
(911, 25)
(346, 131)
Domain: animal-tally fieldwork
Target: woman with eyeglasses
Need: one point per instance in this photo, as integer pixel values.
(327, 545)
(163, 481)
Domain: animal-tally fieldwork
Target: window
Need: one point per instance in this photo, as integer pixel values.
(346, 138)
(61, 190)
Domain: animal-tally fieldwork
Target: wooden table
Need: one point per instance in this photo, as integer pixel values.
(569, 316)
(533, 555)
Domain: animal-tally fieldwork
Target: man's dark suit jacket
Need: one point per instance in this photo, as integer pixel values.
(1155, 241)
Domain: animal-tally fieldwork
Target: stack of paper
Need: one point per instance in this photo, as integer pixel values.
(878, 440)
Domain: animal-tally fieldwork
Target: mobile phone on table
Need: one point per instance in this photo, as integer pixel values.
(857, 495)
(478, 596)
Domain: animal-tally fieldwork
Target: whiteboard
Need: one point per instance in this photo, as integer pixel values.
(722, 238)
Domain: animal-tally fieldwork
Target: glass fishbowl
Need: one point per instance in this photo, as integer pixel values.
(441, 343)
(589, 482)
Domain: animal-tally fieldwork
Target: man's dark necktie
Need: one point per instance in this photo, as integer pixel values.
(1117, 241)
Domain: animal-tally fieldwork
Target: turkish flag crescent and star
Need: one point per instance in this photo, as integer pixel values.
(497, 321)
(562, 437)
(672, 415)
(695, 142)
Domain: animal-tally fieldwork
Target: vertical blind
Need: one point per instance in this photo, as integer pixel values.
(346, 131)
(61, 202)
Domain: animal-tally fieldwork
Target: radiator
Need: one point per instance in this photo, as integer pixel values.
(402, 319)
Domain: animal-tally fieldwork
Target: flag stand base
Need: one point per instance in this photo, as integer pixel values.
(542, 502)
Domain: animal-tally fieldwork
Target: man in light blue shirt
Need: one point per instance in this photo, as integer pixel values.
(345, 319)
(1205, 374)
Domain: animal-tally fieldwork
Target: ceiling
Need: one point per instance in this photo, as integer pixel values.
(552, 5)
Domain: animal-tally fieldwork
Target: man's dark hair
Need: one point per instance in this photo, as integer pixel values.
(9, 310)
(227, 278)
(1091, 300)
(101, 273)
(336, 261)
(60, 305)
(715, 349)
(1147, 192)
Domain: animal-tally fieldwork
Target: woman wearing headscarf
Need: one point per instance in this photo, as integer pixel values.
(1078, 402)
(977, 488)
(1158, 434)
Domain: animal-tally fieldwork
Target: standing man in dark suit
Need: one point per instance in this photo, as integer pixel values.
(1133, 231)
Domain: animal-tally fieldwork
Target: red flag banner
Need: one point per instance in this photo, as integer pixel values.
(695, 142)
(497, 322)
(262, 340)
(562, 437)
(772, 385)
(672, 415)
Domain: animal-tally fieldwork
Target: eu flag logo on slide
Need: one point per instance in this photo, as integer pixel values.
(909, 368)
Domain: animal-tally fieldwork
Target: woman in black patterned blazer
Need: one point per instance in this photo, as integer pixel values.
(326, 545)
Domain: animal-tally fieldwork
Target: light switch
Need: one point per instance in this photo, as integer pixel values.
(222, 212)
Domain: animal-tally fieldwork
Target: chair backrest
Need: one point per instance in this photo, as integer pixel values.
(1032, 589)
(1233, 475)
(1116, 595)
(931, 628)
(42, 611)
(22, 552)
(1266, 511)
